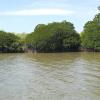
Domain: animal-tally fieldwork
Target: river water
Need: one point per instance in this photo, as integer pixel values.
(50, 76)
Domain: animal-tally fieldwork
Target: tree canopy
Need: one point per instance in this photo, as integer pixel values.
(91, 35)
(56, 36)
(9, 42)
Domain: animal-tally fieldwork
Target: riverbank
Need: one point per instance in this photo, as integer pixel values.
(81, 50)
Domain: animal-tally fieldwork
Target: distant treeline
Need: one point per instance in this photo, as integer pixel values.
(54, 37)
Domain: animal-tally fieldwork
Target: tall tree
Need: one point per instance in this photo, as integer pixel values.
(91, 34)
(54, 37)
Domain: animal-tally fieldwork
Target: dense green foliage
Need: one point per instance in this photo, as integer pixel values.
(9, 42)
(54, 37)
(91, 35)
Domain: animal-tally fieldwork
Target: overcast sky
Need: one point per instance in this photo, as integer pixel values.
(24, 15)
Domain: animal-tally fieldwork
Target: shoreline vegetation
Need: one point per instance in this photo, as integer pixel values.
(54, 37)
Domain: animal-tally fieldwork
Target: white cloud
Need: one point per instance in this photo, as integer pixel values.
(32, 12)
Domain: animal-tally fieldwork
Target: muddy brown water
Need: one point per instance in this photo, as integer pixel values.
(50, 76)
